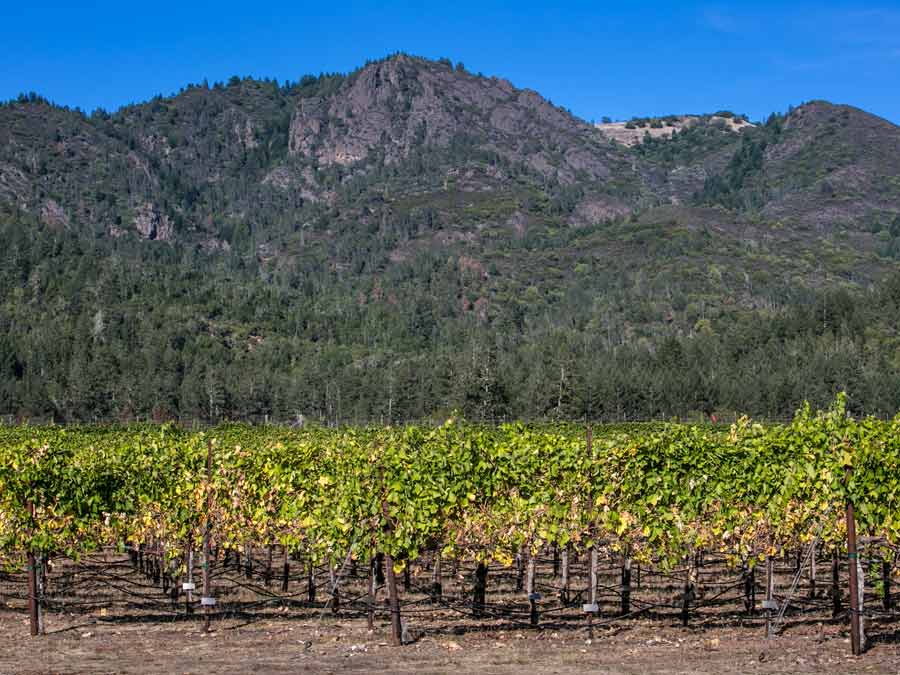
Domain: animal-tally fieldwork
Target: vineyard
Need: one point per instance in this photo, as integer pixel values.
(520, 526)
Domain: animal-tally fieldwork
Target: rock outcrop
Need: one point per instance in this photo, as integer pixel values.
(151, 224)
(395, 105)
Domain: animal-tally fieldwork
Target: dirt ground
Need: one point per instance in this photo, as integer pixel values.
(618, 131)
(104, 615)
(282, 642)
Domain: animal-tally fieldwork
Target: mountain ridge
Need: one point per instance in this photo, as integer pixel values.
(412, 218)
(341, 122)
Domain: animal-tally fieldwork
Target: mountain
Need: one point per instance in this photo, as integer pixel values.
(830, 167)
(412, 238)
(178, 161)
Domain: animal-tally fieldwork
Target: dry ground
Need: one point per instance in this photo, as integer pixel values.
(283, 642)
(105, 616)
(619, 132)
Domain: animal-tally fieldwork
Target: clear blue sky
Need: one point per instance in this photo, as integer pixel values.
(622, 59)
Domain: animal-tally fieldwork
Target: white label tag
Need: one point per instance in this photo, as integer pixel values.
(207, 602)
(188, 586)
(591, 609)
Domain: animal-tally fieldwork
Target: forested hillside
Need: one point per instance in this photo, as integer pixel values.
(412, 238)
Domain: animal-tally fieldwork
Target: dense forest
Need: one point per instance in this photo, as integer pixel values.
(412, 239)
(158, 331)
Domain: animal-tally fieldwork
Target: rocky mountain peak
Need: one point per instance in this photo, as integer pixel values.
(403, 101)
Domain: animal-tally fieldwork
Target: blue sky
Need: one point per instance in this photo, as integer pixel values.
(594, 58)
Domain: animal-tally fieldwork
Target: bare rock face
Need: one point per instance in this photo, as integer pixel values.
(151, 224)
(213, 244)
(471, 267)
(518, 221)
(397, 104)
(593, 211)
(686, 180)
(281, 177)
(862, 150)
(53, 215)
(245, 134)
(14, 186)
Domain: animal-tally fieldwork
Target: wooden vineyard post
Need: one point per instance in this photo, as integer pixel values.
(564, 576)
(188, 586)
(174, 591)
(626, 586)
(436, 579)
(132, 552)
(753, 590)
(688, 593)
(379, 569)
(157, 565)
(861, 600)
(150, 554)
(836, 606)
(267, 577)
(34, 610)
(393, 600)
(749, 589)
(533, 595)
(206, 600)
(285, 571)
(856, 637)
(886, 581)
(311, 583)
(40, 577)
(370, 599)
(165, 568)
(769, 604)
(591, 608)
(335, 593)
(812, 573)
(480, 590)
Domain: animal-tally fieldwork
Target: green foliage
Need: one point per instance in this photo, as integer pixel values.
(736, 187)
(564, 323)
(473, 262)
(693, 142)
(659, 491)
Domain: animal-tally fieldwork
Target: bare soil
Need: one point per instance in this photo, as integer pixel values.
(619, 132)
(286, 641)
(104, 616)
